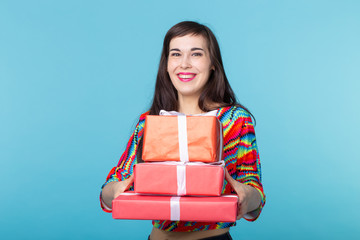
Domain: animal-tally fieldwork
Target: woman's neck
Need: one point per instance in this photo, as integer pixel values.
(189, 105)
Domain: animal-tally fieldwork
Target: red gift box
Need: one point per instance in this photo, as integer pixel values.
(179, 179)
(130, 205)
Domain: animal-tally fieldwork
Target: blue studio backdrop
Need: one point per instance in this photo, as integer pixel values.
(76, 75)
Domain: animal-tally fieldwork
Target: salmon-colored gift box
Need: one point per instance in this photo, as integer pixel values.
(178, 179)
(203, 138)
(130, 205)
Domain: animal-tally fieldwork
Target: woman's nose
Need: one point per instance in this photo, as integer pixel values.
(185, 62)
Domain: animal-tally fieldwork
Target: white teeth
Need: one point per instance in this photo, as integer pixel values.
(186, 76)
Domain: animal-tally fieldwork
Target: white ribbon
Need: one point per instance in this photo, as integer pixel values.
(175, 208)
(229, 196)
(129, 193)
(221, 141)
(181, 179)
(182, 135)
(218, 163)
(172, 113)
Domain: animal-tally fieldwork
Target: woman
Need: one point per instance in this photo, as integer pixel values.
(191, 80)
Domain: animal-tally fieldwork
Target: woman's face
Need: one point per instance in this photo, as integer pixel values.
(189, 64)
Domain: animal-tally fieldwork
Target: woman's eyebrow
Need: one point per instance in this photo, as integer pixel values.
(193, 49)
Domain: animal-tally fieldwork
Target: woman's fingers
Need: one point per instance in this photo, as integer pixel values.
(241, 212)
(233, 183)
(228, 177)
(239, 216)
(239, 189)
(128, 182)
(122, 186)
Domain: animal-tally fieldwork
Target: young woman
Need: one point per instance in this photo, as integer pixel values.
(191, 80)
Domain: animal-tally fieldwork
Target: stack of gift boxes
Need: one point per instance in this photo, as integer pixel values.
(182, 175)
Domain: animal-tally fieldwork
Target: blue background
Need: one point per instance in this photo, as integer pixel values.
(75, 75)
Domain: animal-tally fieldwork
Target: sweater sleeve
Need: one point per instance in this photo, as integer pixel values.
(124, 168)
(248, 162)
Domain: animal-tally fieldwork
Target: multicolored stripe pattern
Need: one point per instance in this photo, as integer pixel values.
(240, 155)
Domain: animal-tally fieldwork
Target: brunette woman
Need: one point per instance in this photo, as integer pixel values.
(191, 80)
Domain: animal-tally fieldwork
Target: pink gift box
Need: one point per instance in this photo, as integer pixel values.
(130, 205)
(179, 179)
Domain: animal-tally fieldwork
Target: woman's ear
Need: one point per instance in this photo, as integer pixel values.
(212, 68)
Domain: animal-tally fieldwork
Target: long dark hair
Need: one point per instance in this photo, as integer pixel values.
(217, 89)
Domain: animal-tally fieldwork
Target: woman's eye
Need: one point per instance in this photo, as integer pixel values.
(175, 54)
(197, 54)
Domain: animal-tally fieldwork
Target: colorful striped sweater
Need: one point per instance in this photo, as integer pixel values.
(240, 155)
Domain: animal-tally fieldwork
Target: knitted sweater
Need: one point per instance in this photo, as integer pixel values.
(240, 155)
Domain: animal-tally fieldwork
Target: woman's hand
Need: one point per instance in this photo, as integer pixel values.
(249, 197)
(113, 189)
(122, 186)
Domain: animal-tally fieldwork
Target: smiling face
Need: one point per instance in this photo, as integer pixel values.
(189, 65)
